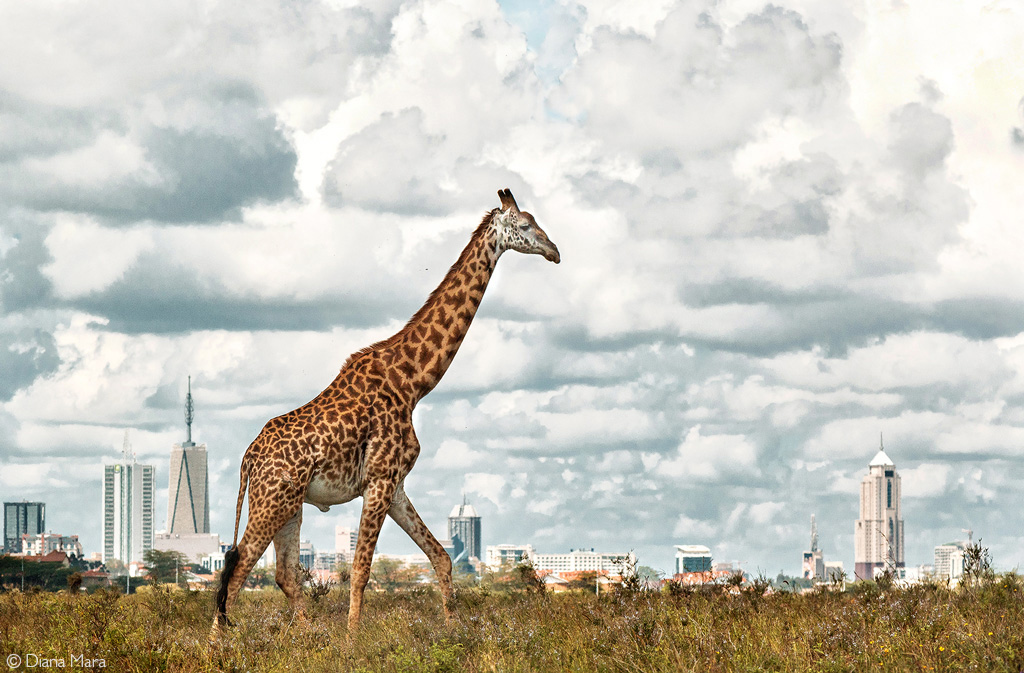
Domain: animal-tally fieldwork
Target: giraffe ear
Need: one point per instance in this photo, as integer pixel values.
(508, 202)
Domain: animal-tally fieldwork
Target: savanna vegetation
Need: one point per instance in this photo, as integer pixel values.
(513, 625)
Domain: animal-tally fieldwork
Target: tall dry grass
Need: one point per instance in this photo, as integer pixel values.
(926, 628)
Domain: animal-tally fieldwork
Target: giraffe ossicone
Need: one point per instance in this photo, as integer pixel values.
(356, 437)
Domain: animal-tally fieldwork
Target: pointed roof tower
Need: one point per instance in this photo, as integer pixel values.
(881, 458)
(463, 510)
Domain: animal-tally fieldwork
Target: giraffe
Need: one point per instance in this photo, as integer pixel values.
(356, 438)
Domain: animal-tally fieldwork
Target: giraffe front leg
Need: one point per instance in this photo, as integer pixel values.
(376, 502)
(286, 546)
(405, 515)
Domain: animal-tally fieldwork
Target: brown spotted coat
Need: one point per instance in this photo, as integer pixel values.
(356, 437)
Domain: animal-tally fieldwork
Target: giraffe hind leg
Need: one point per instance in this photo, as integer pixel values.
(238, 563)
(286, 545)
(267, 515)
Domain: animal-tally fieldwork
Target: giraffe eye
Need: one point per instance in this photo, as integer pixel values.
(524, 225)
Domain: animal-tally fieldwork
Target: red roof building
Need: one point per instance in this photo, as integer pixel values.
(52, 557)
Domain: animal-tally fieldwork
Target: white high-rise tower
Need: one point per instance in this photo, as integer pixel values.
(127, 508)
(878, 536)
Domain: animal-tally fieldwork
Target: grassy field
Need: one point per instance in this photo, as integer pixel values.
(925, 628)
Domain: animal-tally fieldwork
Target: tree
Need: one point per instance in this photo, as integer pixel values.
(977, 565)
(648, 574)
(166, 567)
(115, 567)
(16, 572)
(629, 574)
(524, 576)
(259, 578)
(384, 574)
(390, 574)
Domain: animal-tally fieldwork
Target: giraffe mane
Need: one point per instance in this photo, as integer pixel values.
(394, 338)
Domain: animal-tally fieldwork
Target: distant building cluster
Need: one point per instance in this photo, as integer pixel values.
(129, 505)
(815, 568)
(128, 532)
(878, 542)
(879, 539)
(462, 545)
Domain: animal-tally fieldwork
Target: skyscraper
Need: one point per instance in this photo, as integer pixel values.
(878, 535)
(22, 518)
(188, 508)
(814, 561)
(127, 508)
(464, 524)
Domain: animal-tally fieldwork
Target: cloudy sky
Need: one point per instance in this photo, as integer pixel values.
(785, 230)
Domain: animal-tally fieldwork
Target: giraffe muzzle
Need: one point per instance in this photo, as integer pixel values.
(548, 249)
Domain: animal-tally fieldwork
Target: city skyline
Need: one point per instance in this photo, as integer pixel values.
(463, 519)
(784, 229)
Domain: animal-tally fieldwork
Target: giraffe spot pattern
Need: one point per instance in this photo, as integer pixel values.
(356, 437)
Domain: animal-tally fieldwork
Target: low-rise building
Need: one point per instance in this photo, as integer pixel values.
(194, 546)
(41, 544)
(582, 560)
(52, 557)
(328, 560)
(702, 577)
(498, 555)
(95, 578)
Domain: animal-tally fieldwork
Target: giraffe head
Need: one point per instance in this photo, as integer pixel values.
(517, 230)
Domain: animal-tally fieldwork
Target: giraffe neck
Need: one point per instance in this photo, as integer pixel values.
(428, 343)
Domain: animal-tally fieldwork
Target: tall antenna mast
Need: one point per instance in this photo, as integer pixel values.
(189, 413)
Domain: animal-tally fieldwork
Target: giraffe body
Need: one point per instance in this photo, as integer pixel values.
(356, 438)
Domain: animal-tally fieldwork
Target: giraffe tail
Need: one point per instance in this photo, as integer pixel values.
(243, 479)
(231, 556)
